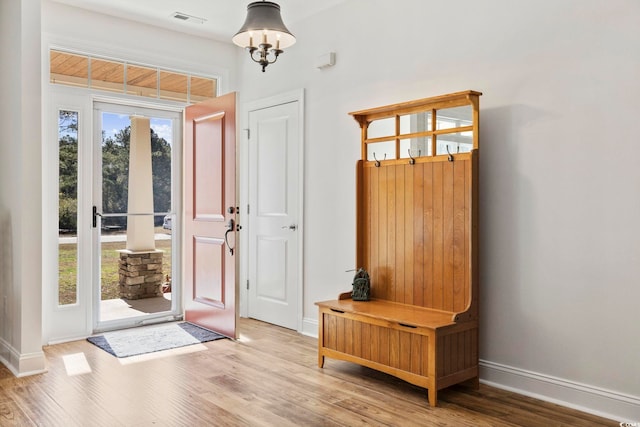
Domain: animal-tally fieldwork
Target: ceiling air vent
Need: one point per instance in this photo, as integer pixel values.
(187, 18)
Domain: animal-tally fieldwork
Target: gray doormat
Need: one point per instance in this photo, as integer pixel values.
(149, 339)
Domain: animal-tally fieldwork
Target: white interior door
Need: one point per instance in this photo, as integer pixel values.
(275, 234)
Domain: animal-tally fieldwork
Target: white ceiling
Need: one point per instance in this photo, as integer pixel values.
(223, 17)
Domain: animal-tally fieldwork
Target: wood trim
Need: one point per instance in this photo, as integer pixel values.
(361, 238)
(419, 380)
(423, 159)
(419, 134)
(391, 315)
(436, 102)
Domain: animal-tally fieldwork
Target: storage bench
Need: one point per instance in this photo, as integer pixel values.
(417, 237)
(401, 340)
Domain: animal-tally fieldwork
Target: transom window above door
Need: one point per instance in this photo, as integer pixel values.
(80, 70)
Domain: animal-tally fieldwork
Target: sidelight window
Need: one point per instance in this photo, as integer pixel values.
(68, 207)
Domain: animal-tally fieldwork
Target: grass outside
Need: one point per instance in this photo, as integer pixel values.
(67, 258)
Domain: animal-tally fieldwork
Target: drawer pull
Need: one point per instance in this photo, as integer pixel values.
(337, 311)
(407, 326)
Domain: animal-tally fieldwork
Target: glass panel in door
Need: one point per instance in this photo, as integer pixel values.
(67, 207)
(135, 216)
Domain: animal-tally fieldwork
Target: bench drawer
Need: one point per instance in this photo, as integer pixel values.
(395, 347)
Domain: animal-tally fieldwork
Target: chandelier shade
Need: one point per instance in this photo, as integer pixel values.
(264, 34)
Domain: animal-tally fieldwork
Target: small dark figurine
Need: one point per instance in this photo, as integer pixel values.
(361, 286)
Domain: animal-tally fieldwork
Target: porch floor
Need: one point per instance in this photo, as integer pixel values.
(120, 308)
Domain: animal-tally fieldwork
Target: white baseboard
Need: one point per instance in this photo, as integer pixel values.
(309, 327)
(594, 400)
(21, 365)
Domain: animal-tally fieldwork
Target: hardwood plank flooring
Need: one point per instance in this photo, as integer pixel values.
(269, 377)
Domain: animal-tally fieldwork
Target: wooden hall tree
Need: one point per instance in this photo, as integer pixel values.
(417, 236)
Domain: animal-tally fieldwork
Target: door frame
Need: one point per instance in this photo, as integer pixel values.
(77, 321)
(283, 98)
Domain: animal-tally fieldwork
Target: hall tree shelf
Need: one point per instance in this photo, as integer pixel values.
(417, 236)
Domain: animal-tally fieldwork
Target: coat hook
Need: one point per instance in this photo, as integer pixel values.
(449, 153)
(377, 161)
(412, 161)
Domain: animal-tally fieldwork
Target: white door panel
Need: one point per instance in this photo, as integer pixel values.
(271, 150)
(271, 269)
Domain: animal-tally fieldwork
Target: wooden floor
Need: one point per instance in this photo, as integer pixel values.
(267, 378)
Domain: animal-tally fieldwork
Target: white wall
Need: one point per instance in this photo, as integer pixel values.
(20, 248)
(560, 185)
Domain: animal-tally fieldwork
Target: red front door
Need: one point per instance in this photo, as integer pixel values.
(210, 268)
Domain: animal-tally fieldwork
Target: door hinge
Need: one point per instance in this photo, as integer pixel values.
(247, 284)
(248, 209)
(248, 133)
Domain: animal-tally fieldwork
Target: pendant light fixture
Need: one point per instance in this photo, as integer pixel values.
(264, 34)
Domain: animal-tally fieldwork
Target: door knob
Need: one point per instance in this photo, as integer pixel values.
(230, 228)
(290, 227)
